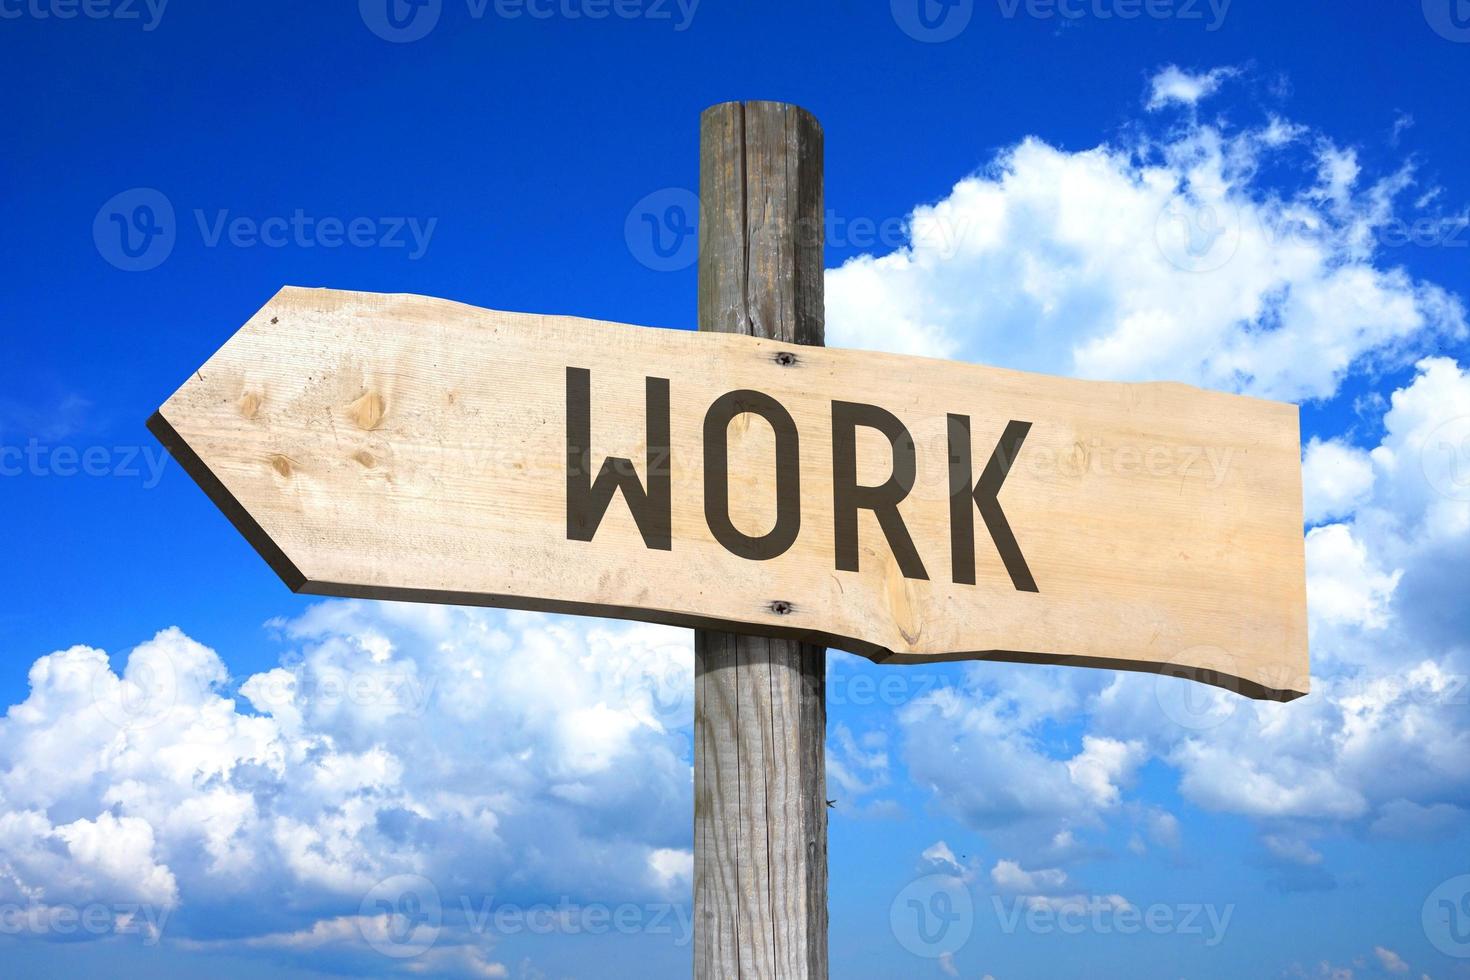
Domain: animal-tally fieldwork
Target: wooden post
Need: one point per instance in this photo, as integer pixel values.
(760, 713)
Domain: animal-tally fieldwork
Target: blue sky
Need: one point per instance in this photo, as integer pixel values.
(1259, 197)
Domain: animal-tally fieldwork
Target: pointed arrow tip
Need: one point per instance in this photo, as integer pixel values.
(201, 474)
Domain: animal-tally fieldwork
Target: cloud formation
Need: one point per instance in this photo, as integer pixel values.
(1161, 256)
(492, 754)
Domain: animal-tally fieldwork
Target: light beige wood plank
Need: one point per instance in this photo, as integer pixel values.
(414, 448)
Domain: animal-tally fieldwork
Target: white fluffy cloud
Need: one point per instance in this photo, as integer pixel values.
(1009, 876)
(941, 856)
(1154, 259)
(1102, 765)
(1336, 479)
(982, 750)
(1175, 85)
(1344, 584)
(489, 753)
(856, 767)
(1389, 960)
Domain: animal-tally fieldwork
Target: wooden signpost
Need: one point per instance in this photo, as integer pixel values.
(793, 496)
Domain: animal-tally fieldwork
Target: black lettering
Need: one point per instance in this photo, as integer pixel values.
(883, 500)
(587, 501)
(717, 475)
(963, 499)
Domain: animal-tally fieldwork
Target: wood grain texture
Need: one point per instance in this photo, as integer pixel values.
(760, 817)
(1162, 523)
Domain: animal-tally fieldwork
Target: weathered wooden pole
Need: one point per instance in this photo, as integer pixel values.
(760, 713)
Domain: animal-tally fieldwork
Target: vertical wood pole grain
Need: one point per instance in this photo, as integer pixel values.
(760, 712)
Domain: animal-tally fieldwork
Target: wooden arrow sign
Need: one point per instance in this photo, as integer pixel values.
(907, 509)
